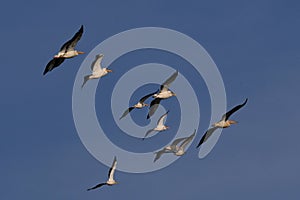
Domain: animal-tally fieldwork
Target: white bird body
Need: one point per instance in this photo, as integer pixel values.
(160, 125)
(97, 70)
(164, 94)
(68, 54)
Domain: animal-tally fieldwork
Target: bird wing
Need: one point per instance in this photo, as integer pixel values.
(55, 62)
(177, 141)
(207, 134)
(165, 86)
(160, 122)
(188, 140)
(159, 154)
(153, 107)
(97, 186)
(96, 65)
(112, 170)
(126, 112)
(86, 78)
(148, 132)
(229, 113)
(143, 99)
(70, 45)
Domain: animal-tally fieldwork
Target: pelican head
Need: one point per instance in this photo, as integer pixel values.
(108, 70)
(173, 94)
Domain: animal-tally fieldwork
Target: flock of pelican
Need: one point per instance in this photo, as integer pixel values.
(177, 147)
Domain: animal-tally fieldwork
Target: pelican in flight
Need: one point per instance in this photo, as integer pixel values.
(66, 51)
(97, 70)
(139, 105)
(174, 148)
(163, 93)
(223, 123)
(160, 125)
(110, 180)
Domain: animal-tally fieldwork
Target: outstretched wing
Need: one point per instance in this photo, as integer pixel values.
(207, 134)
(70, 45)
(112, 170)
(233, 110)
(153, 107)
(165, 86)
(160, 122)
(55, 62)
(86, 78)
(148, 132)
(143, 99)
(159, 154)
(97, 186)
(96, 65)
(126, 112)
(188, 140)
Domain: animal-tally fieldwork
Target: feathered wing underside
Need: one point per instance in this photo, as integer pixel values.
(177, 141)
(233, 110)
(165, 86)
(96, 65)
(126, 112)
(55, 62)
(159, 154)
(148, 132)
(188, 140)
(153, 107)
(112, 170)
(207, 134)
(97, 186)
(160, 122)
(70, 45)
(143, 99)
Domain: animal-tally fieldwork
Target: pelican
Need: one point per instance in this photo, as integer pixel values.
(163, 93)
(181, 149)
(66, 51)
(110, 180)
(139, 105)
(223, 123)
(160, 125)
(97, 70)
(168, 149)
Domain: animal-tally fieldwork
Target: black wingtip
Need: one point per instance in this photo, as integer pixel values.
(148, 116)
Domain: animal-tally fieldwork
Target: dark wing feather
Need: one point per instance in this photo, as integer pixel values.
(72, 42)
(112, 166)
(153, 107)
(148, 132)
(207, 134)
(146, 97)
(126, 112)
(229, 113)
(97, 186)
(55, 62)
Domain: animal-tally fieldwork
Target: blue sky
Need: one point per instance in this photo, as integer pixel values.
(255, 46)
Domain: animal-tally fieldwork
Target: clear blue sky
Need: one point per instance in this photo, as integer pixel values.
(255, 45)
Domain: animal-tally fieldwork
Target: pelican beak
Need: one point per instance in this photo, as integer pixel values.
(108, 70)
(80, 52)
(233, 122)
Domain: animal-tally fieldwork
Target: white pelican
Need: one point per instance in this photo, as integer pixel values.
(160, 125)
(223, 123)
(110, 180)
(174, 148)
(163, 93)
(66, 51)
(181, 148)
(97, 70)
(139, 105)
(169, 149)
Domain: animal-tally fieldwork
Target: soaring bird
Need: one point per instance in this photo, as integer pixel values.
(97, 70)
(66, 51)
(163, 93)
(174, 148)
(139, 105)
(160, 125)
(181, 148)
(110, 180)
(223, 123)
